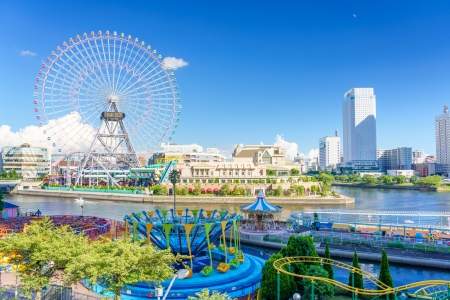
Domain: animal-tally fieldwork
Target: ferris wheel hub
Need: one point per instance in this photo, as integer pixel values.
(113, 98)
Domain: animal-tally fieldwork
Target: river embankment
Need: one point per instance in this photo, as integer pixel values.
(204, 199)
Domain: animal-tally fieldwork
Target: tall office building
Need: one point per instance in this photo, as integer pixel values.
(442, 126)
(359, 124)
(329, 152)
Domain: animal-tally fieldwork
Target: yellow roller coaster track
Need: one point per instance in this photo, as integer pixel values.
(282, 265)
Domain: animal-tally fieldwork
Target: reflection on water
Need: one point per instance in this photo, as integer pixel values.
(374, 199)
(401, 200)
(117, 210)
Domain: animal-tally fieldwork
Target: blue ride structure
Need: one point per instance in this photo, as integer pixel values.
(209, 243)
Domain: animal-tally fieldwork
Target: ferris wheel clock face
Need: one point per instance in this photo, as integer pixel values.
(84, 75)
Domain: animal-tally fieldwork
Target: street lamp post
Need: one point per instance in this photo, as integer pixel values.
(81, 202)
(181, 274)
(174, 178)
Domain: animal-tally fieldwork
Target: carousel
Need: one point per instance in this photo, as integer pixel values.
(260, 216)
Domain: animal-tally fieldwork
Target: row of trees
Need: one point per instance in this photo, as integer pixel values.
(44, 253)
(304, 246)
(433, 181)
(10, 175)
(227, 190)
(292, 172)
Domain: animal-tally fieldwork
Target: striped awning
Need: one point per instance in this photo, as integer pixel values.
(261, 205)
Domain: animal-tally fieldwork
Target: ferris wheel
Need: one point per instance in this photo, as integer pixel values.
(103, 79)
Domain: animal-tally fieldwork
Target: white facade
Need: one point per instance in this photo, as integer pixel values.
(329, 152)
(359, 125)
(442, 126)
(406, 173)
(418, 157)
(29, 162)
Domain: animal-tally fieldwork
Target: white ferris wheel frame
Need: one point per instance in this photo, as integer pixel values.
(85, 70)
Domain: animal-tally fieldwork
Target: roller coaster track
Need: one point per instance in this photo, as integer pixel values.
(283, 265)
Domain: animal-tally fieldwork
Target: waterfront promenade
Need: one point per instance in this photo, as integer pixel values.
(416, 259)
(207, 199)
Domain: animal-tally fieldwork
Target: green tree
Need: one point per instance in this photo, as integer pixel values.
(197, 189)
(299, 246)
(355, 178)
(385, 273)
(434, 181)
(386, 179)
(270, 172)
(278, 191)
(369, 179)
(42, 249)
(294, 172)
(400, 179)
(238, 191)
(355, 279)
(224, 190)
(159, 190)
(116, 263)
(326, 180)
(174, 178)
(321, 289)
(269, 281)
(206, 295)
(328, 267)
(2, 203)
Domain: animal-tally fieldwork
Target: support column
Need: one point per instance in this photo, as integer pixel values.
(278, 285)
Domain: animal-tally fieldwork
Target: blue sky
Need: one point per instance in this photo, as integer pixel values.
(258, 68)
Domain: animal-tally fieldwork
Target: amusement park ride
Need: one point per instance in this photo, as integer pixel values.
(100, 99)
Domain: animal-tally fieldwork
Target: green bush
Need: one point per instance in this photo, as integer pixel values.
(269, 281)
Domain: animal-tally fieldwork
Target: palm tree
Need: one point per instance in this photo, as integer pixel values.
(174, 178)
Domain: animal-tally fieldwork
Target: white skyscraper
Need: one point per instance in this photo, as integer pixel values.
(359, 124)
(329, 152)
(443, 137)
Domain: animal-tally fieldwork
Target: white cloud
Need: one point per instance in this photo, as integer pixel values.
(62, 135)
(173, 63)
(27, 53)
(290, 148)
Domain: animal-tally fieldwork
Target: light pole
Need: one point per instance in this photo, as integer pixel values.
(181, 274)
(174, 178)
(81, 202)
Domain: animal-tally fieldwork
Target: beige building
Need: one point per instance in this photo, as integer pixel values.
(249, 164)
(260, 154)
